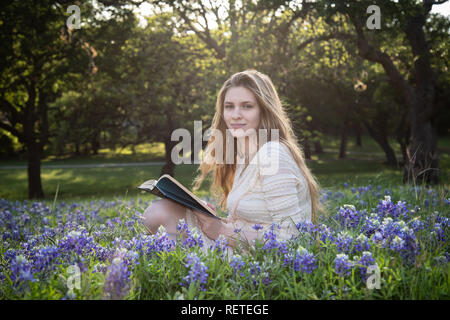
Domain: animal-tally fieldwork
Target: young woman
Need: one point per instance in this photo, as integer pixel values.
(254, 199)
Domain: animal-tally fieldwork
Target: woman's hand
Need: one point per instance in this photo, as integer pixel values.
(211, 227)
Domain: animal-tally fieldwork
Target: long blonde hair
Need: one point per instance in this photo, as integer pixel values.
(273, 116)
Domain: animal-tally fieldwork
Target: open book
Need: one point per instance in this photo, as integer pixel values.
(167, 187)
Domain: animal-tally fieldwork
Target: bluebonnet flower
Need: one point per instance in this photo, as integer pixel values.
(191, 237)
(78, 242)
(161, 241)
(197, 271)
(21, 270)
(321, 231)
(257, 227)
(362, 243)
(344, 242)
(271, 242)
(397, 243)
(326, 234)
(255, 274)
(416, 224)
(45, 258)
(254, 268)
(220, 246)
(194, 238)
(117, 279)
(440, 226)
(238, 265)
(441, 260)
(342, 265)
(365, 261)
(348, 216)
(182, 226)
(304, 261)
(387, 208)
(25, 218)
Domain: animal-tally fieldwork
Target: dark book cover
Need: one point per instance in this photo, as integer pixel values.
(168, 187)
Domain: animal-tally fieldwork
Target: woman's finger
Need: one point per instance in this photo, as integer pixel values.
(211, 206)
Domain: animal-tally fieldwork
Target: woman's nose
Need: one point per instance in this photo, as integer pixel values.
(236, 113)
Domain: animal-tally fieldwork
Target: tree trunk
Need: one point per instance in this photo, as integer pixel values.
(77, 148)
(306, 149)
(381, 138)
(343, 146)
(34, 171)
(95, 145)
(423, 165)
(169, 166)
(318, 147)
(420, 99)
(402, 137)
(423, 161)
(358, 134)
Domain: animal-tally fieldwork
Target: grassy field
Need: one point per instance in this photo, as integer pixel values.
(363, 166)
(379, 239)
(374, 243)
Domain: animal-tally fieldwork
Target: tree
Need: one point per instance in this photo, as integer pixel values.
(34, 58)
(169, 76)
(39, 55)
(417, 89)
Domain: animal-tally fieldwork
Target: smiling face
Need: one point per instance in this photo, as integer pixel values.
(241, 111)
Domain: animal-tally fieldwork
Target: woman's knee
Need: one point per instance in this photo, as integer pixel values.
(163, 212)
(154, 216)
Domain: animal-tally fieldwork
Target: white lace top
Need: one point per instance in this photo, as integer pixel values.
(266, 195)
(268, 192)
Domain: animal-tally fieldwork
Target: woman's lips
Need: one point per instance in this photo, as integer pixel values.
(237, 126)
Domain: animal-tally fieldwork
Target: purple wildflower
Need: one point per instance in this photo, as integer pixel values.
(365, 261)
(362, 243)
(238, 265)
(220, 246)
(21, 270)
(118, 277)
(257, 227)
(344, 242)
(342, 265)
(348, 216)
(197, 271)
(304, 261)
(387, 208)
(271, 242)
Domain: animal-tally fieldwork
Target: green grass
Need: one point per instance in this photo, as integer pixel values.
(88, 183)
(364, 165)
(143, 153)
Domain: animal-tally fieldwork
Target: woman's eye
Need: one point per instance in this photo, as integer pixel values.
(228, 106)
(247, 106)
